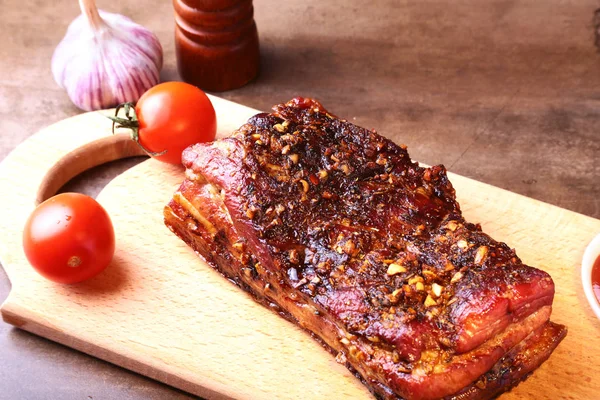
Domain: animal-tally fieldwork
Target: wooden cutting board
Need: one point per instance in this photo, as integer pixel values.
(160, 311)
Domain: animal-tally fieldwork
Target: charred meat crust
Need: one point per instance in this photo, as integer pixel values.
(362, 247)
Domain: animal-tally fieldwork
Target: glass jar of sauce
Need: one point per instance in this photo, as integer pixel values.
(216, 42)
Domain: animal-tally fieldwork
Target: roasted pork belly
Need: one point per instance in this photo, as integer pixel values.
(345, 235)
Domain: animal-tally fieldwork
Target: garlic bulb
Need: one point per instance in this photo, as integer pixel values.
(106, 59)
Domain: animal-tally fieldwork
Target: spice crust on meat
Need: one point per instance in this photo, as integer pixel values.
(366, 249)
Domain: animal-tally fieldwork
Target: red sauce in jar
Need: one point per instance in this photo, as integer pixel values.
(596, 278)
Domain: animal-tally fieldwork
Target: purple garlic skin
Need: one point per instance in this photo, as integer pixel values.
(113, 63)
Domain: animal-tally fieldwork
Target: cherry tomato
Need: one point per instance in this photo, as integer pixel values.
(69, 238)
(172, 116)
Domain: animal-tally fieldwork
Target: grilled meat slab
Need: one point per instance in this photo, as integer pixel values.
(358, 244)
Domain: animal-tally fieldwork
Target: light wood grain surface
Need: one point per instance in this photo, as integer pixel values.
(503, 91)
(160, 311)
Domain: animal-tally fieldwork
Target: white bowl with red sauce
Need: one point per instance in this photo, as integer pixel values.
(590, 274)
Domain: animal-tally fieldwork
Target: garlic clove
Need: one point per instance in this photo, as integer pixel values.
(106, 62)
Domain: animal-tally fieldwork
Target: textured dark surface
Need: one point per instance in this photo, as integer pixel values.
(504, 91)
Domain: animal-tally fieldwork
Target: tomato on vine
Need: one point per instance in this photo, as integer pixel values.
(168, 118)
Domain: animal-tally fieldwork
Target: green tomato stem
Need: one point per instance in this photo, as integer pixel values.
(130, 121)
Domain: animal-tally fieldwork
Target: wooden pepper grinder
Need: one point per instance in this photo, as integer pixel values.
(216, 42)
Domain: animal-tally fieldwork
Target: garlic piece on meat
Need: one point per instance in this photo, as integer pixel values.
(394, 269)
(106, 59)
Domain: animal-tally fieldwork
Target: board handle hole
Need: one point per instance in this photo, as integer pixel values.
(78, 167)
